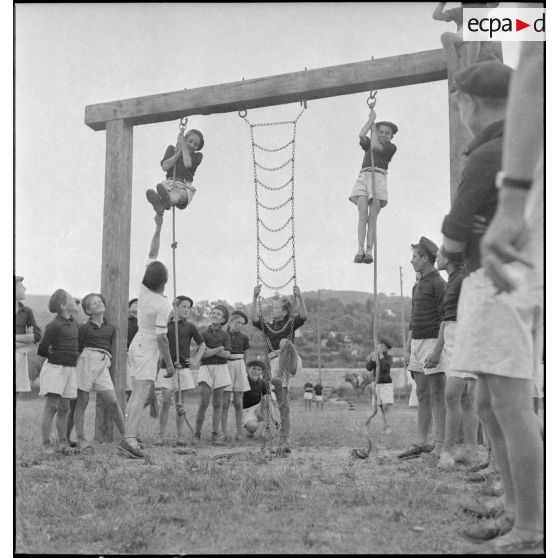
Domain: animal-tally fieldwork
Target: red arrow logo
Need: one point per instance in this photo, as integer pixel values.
(519, 25)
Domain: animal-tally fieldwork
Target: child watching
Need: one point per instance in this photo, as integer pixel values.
(257, 402)
(186, 332)
(237, 370)
(177, 189)
(318, 396)
(58, 373)
(280, 338)
(93, 368)
(27, 332)
(308, 391)
(362, 195)
(214, 373)
(384, 387)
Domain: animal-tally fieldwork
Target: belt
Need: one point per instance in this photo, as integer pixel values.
(377, 169)
(106, 353)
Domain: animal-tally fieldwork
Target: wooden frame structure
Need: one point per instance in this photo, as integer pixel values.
(118, 118)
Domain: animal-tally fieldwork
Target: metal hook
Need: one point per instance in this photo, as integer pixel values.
(183, 122)
(371, 101)
(242, 113)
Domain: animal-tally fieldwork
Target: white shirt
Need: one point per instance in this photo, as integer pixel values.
(153, 311)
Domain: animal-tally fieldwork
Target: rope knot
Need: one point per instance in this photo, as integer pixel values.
(174, 245)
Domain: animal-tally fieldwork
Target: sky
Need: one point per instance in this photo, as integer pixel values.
(72, 55)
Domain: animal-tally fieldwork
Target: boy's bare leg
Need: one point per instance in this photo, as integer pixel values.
(224, 411)
(51, 404)
(164, 411)
(424, 417)
(237, 403)
(217, 407)
(284, 411)
(62, 409)
(375, 208)
(111, 403)
(134, 407)
(205, 394)
(383, 411)
(179, 418)
(470, 419)
(362, 205)
(437, 384)
(70, 421)
(513, 408)
(454, 412)
(79, 413)
(498, 448)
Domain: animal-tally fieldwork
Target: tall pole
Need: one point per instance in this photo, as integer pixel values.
(319, 341)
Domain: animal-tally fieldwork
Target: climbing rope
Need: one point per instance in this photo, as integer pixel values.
(358, 452)
(264, 189)
(180, 411)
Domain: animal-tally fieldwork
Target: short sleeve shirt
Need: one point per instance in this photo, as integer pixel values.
(214, 338)
(308, 387)
(381, 160)
(153, 311)
(93, 336)
(239, 343)
(385, 368)
(183, 172)
(318, 389)
(254, 396)
(186, 332)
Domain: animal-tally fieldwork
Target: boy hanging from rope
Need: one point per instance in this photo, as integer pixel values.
(362, 195)
(180, 164)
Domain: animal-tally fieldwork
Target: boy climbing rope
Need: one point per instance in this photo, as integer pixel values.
(362, 195)
(180, 164)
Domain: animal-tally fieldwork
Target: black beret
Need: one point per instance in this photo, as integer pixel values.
(489, 78)
(427, 245)
(241, 314)
(87, 297)
(225, 312)
(257, 361)
(385, 342)
(391, 125)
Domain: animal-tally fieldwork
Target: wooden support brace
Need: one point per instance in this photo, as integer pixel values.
(115, 272)
(357, 77)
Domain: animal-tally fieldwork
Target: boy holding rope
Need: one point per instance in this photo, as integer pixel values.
(362, 195)
(384, 387)
(186, 332)
(180, 163)
(283, 358)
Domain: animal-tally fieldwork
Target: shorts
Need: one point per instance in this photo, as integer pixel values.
(308, 395)
(420, 350)
(256, 413)
(186, 381)
(498, 334)
(58, 380)
(214, 375)
(318, 398)
(385, 394)
(183, 187)
(239, 378)
(144, 356)
(92, 371)
(449, 344)
(22, 382)
(363, 186)
(274, 365)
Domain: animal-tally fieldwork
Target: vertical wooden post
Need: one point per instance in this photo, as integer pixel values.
(115, 272)
(319, 341)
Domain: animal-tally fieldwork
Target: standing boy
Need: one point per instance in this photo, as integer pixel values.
(27, 332)
(319, 395)
(237, 371)
(58, 374)
(384, 387)
(308, 394)
(214, 373)
(186, 332)
(363, 193)
(426, 315)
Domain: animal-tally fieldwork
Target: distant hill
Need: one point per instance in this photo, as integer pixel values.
(346, 297)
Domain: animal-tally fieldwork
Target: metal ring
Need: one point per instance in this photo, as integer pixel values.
(242, 111)
(371, 101)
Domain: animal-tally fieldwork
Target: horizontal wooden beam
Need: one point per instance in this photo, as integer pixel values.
(357, 77)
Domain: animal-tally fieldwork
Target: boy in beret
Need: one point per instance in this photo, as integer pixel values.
(237, 371)
(362, 196)
(426, 315)
(499, 336)
(384, 387)
(93, 368)
(58, 382)
(177, 190)
(214, 374)
(186, 332)
(27, 332)
(150, 342)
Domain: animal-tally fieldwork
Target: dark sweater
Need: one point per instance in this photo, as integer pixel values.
(60, 342)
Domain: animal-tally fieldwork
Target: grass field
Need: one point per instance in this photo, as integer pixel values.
(238, 499)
